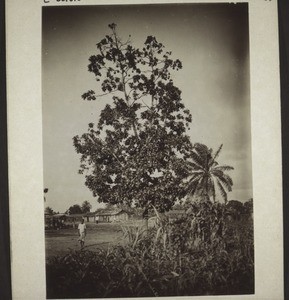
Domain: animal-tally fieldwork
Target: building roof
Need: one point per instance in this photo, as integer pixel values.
(89, 214)
(110, 212)
(59, 215)
(75, 215)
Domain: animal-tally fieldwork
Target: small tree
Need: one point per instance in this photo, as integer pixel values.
(86, 207)
(74, 209)
(236, 208)
(49, 210)
(137, 151)
(248, 206)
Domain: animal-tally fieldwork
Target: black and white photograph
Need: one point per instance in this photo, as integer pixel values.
(144, 149)
(147, 161)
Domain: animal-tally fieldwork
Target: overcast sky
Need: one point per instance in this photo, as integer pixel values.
(211, 40)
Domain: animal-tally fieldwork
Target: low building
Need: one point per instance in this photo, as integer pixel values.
(74, 219)
(55, 221)
(90, 217)
(112, 215)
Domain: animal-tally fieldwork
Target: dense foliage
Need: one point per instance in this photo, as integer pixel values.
(137, 151)
(201, 253)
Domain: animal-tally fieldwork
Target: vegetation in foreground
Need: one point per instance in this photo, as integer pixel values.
(201, 253)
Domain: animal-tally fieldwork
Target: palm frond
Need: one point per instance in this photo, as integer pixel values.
(217, 173)
(198, 160)
(193, 184)
(228, 179)
(225, 183)
(194, 179)
(216, 155)
(192, 188)
(194, 173)
(194, 165)
(224, 168)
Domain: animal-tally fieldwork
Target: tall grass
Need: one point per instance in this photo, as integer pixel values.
(198, 254)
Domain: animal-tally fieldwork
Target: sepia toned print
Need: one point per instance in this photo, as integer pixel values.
(147, 151)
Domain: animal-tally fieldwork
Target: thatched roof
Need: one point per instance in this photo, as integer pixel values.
(75, 215)
(89, 214)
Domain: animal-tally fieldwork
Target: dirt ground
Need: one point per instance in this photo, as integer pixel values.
(102, 235)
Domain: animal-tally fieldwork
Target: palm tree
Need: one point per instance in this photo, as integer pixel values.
(205, 174)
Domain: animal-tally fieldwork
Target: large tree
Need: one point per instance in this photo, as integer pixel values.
(206, 175)
(136, 153)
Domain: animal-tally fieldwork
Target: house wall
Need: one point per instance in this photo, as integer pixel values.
(90, 219)
(103, 218)
(123, 216)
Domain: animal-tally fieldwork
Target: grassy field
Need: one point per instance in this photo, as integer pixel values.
(102, 235)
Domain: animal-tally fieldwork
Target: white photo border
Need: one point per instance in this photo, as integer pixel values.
(25, 159)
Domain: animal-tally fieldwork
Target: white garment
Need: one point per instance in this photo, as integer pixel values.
(81, 228)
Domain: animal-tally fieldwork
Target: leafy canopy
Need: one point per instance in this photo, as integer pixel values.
(136, 153)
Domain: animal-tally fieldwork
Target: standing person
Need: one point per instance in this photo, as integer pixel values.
(81, 233)
(96, 219)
